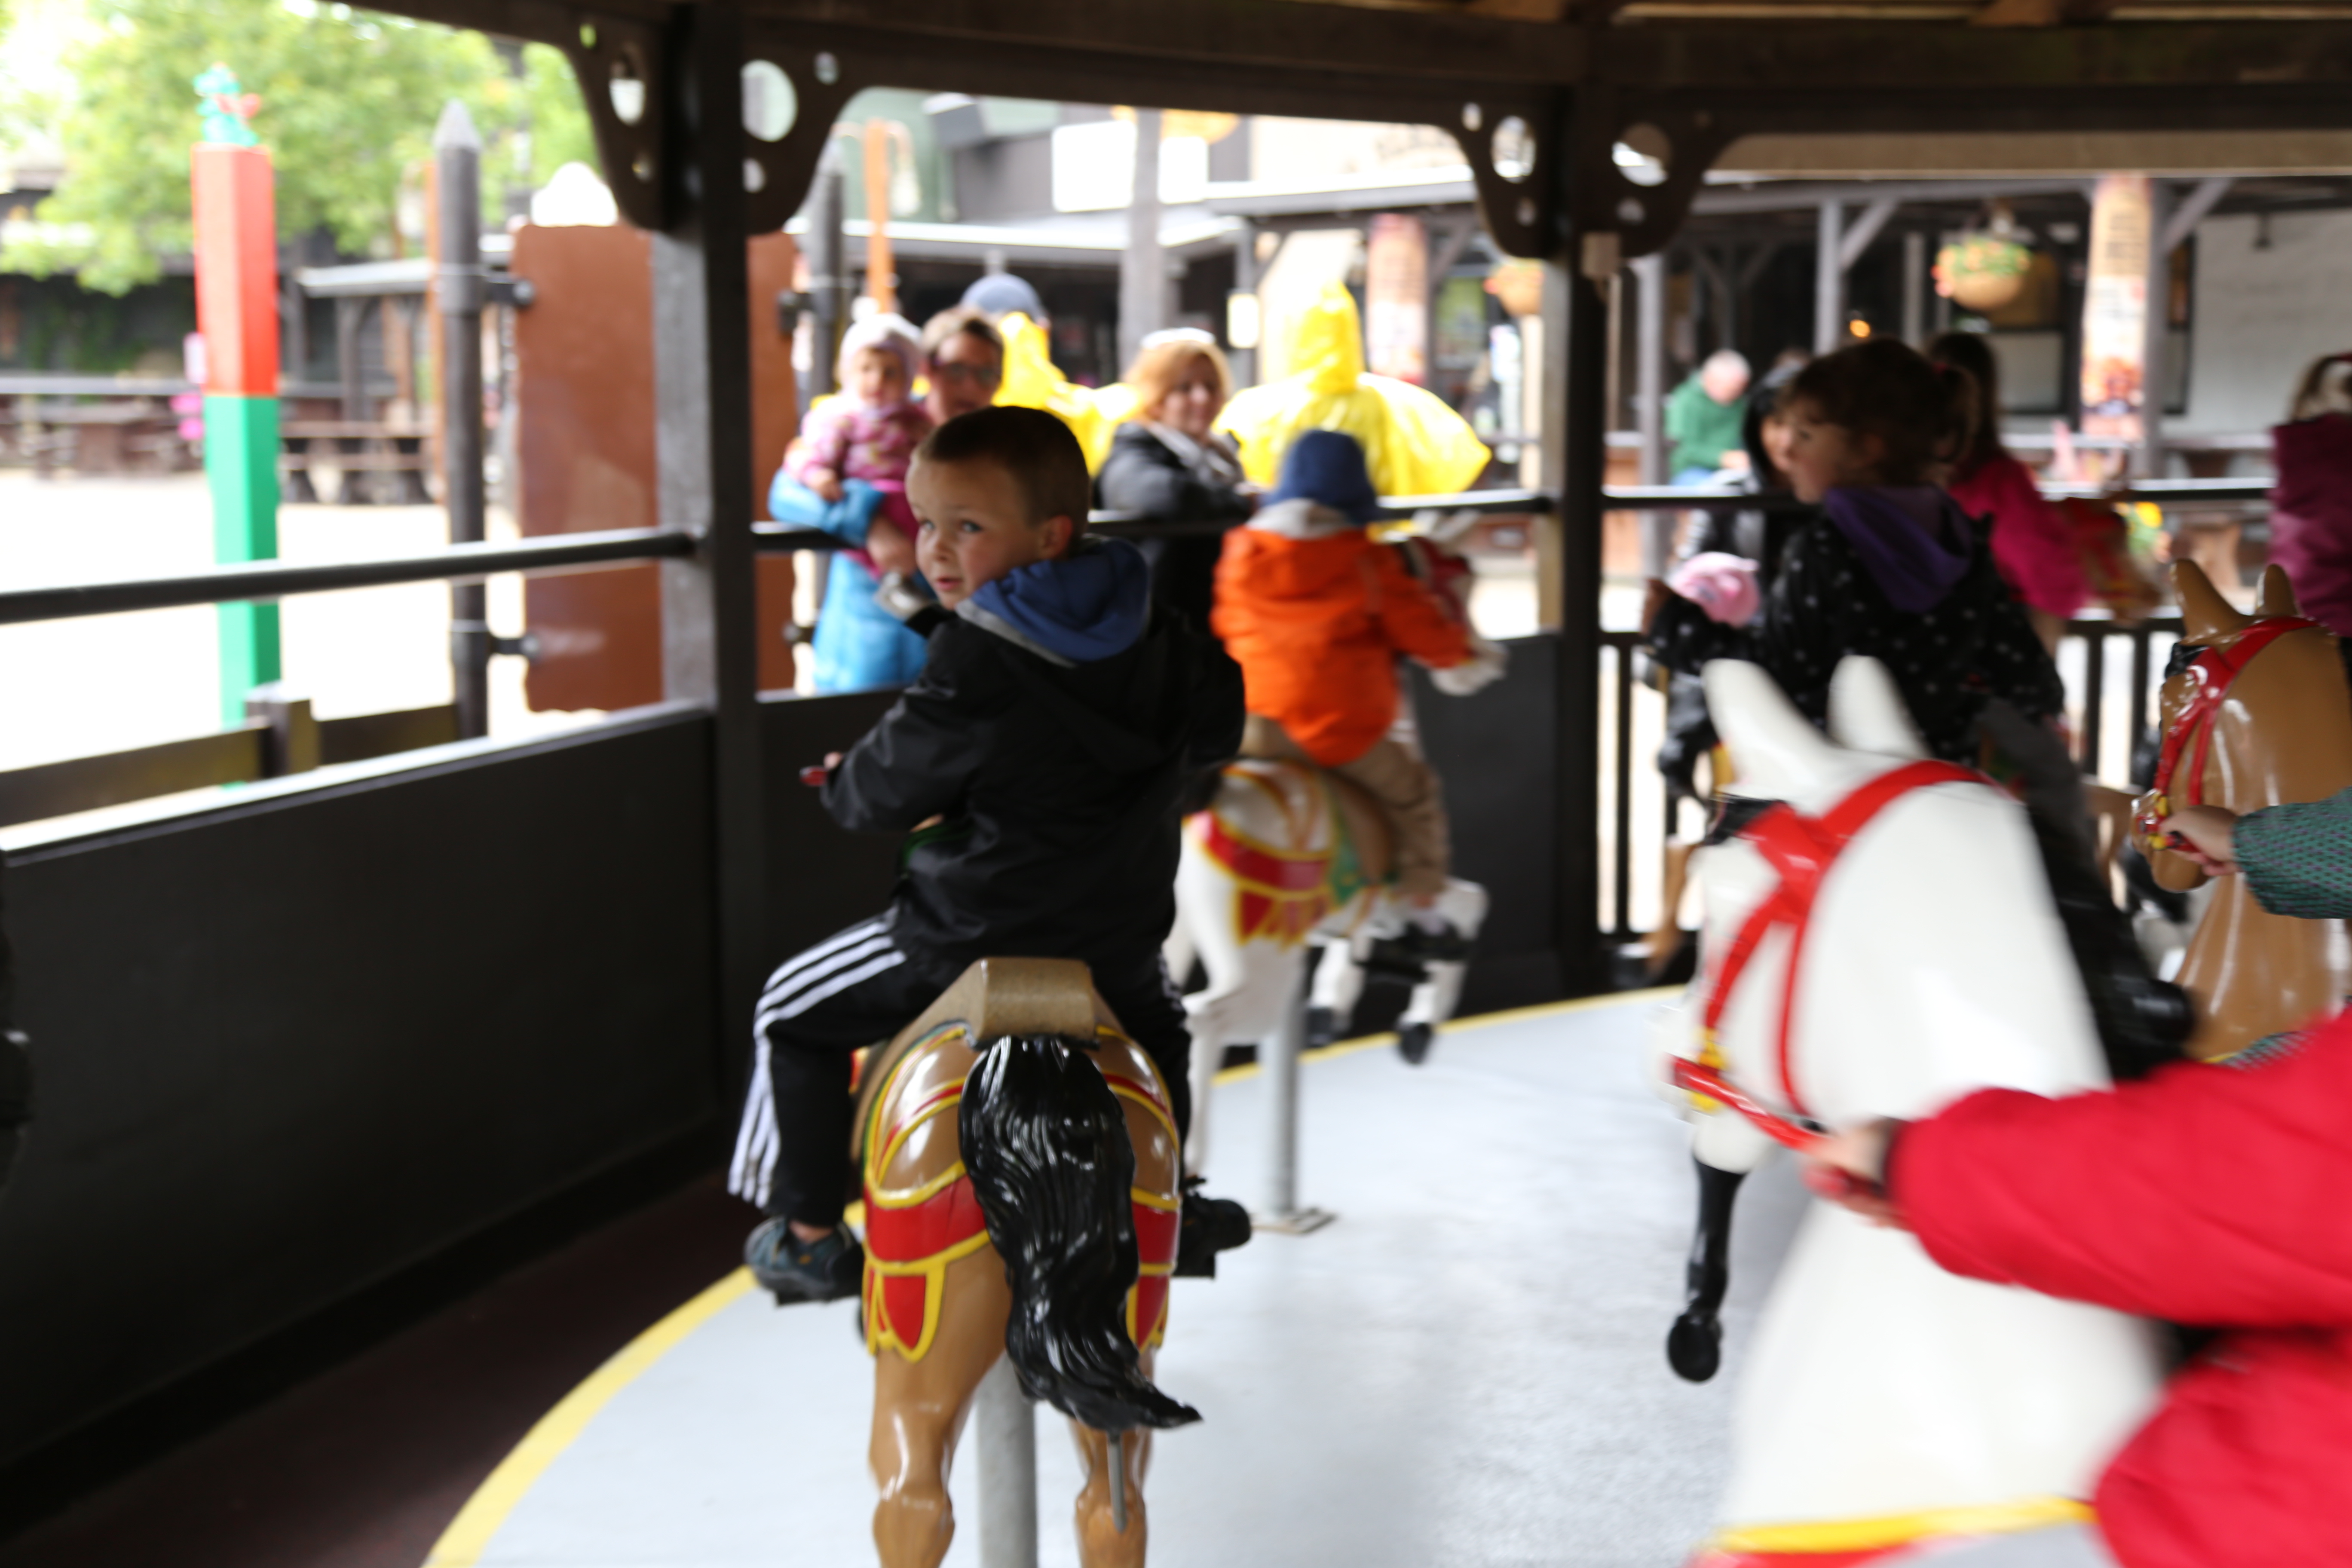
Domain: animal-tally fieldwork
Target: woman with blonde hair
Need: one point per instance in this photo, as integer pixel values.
(1169, 465)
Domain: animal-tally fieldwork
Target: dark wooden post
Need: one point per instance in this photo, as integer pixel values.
(1575, 454)
(702, 375)
(459, 293)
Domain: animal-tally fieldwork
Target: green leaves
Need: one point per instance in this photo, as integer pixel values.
(349, 99)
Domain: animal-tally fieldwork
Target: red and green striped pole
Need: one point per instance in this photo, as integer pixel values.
(237, 311)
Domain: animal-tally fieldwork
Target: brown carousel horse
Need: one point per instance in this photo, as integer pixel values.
(1022, 1184)
(2255, 713)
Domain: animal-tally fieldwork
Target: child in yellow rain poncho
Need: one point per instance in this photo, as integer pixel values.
(1414, 444)
(1031, 381)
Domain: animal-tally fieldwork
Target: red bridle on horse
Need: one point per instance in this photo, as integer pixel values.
(1802, 849)
(2213, 672)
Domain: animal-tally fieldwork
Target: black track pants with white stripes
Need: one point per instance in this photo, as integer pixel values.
(858, 988)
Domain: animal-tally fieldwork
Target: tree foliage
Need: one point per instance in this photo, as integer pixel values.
(348, 102)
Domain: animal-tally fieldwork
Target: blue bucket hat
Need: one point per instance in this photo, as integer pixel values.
(1327, 466)
(1001, 294)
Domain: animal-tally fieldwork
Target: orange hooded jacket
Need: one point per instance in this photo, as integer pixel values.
(1315, 612)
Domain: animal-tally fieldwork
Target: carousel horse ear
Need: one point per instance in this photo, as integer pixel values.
(1866, 710)
(1776, 748)
(2206, 617)
(2277, 597)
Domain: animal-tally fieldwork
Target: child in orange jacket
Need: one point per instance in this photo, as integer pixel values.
(1316, 613)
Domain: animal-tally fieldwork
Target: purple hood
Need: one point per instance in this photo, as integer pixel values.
(1914, 539)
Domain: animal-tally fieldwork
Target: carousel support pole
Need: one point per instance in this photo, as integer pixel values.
(702, 451)
(1575, 459)
(1279, 1058)
(1005, 1435)
(460, 292)
(1649, 399)
(235, 220)
(1829, 280)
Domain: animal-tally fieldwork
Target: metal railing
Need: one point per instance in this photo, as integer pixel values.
(288, 740)
(2109, 731)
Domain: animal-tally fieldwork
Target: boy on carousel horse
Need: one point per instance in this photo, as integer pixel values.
(1038, 761)
(1316, 612)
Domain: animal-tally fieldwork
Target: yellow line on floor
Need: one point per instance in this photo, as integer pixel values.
(1461, 1025)
(469, 1535)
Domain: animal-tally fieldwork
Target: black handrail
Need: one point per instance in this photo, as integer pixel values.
(1721, 498)
(548, 554)
(278, 579)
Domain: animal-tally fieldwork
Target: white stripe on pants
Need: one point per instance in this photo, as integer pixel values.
(825, 970)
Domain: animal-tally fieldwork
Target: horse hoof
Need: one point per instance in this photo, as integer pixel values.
(1322, 1029)
(1695, 1348)
(1413, 1041)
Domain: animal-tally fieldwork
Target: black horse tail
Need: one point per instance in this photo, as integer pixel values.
(1046, 1143)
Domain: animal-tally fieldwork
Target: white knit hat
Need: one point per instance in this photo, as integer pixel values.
(892, 335)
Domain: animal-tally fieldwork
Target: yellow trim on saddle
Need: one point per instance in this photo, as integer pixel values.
(934, 1268)
(934, 1271)
(1896, 1529)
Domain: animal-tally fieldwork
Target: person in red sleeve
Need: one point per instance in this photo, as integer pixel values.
(2202, 1194)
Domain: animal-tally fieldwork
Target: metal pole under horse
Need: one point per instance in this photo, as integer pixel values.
(1278, 1060)
(1005, 1432)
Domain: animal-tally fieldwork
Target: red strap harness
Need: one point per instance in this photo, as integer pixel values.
(2190, 738)
(1802, 849)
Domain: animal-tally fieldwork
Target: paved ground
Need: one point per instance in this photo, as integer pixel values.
(108, 683)
(1465, 1370)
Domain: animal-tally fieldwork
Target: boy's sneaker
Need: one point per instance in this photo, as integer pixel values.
(825, 1270)
(1209, 1225)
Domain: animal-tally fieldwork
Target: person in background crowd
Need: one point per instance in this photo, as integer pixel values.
(2311, 504)
(846, 475)
(860, 642)
(1170, 464)
(963, 362)
(1756, 536)
(2032, 544)
(1703, 419)
(1892, 568)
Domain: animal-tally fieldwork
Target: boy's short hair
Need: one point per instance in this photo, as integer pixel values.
(1032, 446)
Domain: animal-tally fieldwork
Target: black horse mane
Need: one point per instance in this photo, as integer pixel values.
(1046, 1143)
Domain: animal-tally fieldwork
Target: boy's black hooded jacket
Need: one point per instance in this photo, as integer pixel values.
(1055, 776)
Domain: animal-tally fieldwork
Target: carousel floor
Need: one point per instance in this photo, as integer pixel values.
(1466, 1369)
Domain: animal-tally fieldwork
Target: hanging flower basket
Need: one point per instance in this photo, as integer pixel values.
(1984, 271)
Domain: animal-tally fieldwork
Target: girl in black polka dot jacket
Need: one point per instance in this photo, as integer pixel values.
(1891, 568)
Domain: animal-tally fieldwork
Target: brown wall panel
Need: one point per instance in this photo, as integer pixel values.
(585, 413)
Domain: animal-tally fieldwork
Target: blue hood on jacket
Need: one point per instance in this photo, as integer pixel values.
(1090, 604)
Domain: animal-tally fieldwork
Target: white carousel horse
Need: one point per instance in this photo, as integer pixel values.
(1275, 863)
(1885, 1402)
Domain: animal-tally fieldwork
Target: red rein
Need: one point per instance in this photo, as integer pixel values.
(2189, 736)
(1802, 849)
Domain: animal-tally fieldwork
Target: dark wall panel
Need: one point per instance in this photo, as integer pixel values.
(820, 878)
(289, 1047)
(1493, 751)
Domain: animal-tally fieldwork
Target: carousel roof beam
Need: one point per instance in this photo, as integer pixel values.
(1794, 197)
(1856, 239)
(2192, 211)
(2041, 13)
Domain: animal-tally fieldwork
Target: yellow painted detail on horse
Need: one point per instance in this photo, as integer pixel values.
(906, 1131)
(908, 1197)
(1895, 1528)
(880, 1331)
(1148, 1104)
